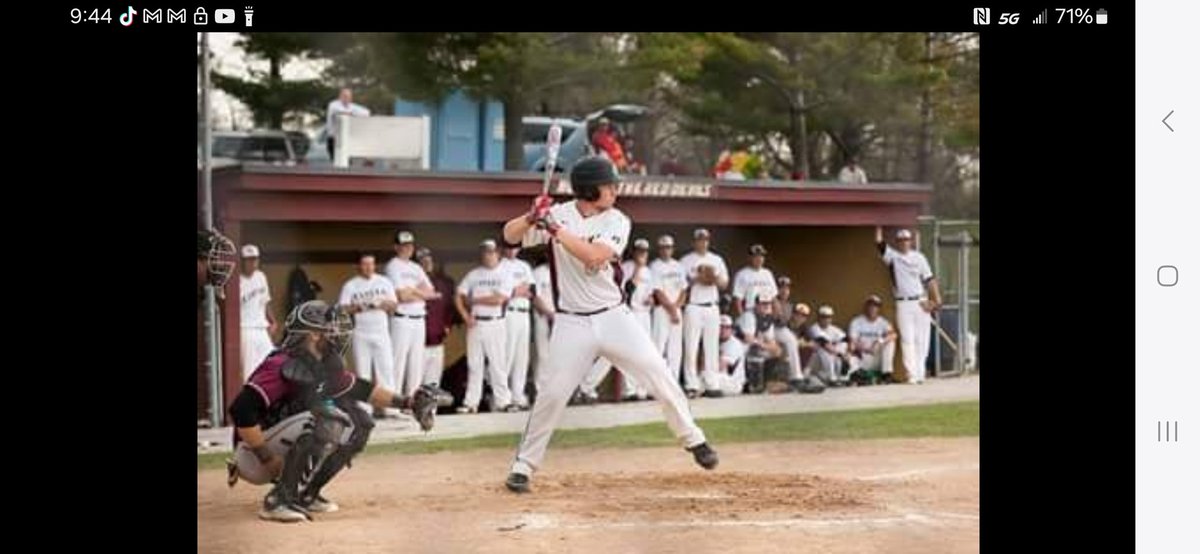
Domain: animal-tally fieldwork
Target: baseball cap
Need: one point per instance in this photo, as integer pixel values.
(666, 240)
(825, 311)
(803, 308)
(874, 299)
(757, 250)
(903, 234)
(700, 234)
(641, 244)
(784, 281)
(423, 252)
(249, 251)
(726, 321)
(404, 237)
(487, 244)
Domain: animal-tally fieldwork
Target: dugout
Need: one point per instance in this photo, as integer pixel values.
(820, 234)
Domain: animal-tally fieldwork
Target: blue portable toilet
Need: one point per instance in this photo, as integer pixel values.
(466, 134)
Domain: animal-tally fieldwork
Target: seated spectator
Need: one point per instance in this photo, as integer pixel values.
(853, 174)
(731, 377)
(606, 142)
(829, 360)
(872, 345)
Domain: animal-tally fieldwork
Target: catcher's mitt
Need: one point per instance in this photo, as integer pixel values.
(425, 405)
(706, 275)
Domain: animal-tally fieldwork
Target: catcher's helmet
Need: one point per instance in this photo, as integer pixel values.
(315, 316)
(589, 174)
(220, 254)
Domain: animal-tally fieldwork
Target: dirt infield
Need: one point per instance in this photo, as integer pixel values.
(895, 495)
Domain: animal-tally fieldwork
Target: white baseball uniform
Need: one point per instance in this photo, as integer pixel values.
(593, 321)
(750, 285)
(408, 326)
(256, 338)
(791, 344)
(702, 320)
(877, 353)
(541, 325)
(516, 322)
(733, 355)
(371, 343)
(486, 341)
(824, 364)
(910, 272)
(670, 278)
(640, 304)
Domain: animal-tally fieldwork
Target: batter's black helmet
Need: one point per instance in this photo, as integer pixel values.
(589, 174)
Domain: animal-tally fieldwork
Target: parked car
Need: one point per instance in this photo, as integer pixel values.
(278, 147)
(533, 135)
(579, 143)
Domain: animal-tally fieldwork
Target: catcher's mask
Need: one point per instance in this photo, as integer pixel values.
(221, 256)
(315, 316)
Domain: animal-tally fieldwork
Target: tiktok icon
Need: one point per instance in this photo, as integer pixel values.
(127, 17)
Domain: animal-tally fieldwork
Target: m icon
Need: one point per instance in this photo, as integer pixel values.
(152, 16)
(983, 16)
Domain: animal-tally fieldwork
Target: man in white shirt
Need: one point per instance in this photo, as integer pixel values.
(917, 297)
(258, 325)
(853, 173)
(707, 276)
(731, 377)
(370, 297)
(752, 284)
(830, 354)
(543, 304)
(517, 323)
(639, 290)
(670, 281)
(482, 294)
(344, 104)
(413, 289)
(872, 344)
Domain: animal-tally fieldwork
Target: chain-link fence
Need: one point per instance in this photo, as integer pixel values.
(952, 247)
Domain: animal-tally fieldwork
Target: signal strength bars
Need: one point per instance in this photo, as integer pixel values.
(1041, 19)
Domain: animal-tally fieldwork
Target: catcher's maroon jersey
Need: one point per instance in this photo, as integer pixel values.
(280, 394)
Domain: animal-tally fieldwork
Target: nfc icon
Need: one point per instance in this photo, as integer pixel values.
(983, 16)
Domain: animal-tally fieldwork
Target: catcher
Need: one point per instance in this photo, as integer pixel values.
(297, 419)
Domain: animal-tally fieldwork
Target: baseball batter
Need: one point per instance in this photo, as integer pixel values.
(872, 344)
(707, 275)
(517, 324)
(481, 297)
(370, 297)
(586, 238)
(413, 289)
(671, 282)
(639, 296)
(912, 279)
(752, 284)
(257, 322)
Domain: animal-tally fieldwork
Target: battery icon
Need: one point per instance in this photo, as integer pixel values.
(1101, 17)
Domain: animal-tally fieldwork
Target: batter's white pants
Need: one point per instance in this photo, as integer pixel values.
(256, 346)
(517, 349)
(374, 351)
(541, 345)
(668, 338)
(913, 323)
(485, 342)
(575, 344)
(880, 359)
(791, 349)
(701, 322)
(408, 350)
(629, 385)
(435, 364)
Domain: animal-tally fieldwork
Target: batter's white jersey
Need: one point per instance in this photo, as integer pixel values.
(406, 274)
(866, 333)
(910, 271)
(704, 294)
(362, 291)
(255, 296)
(482, 282)
(577, 288)
(754, 284)
(520, 274)
(642, 299)
(669, 277)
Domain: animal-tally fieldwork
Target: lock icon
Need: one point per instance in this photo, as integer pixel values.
(201, 17)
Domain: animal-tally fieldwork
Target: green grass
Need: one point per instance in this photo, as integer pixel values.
(959, 419)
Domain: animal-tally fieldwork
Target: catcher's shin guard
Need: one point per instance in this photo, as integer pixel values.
(340, 458)
(296, 464)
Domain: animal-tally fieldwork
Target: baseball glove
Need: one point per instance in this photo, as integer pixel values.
(706, 275)
(425, 405)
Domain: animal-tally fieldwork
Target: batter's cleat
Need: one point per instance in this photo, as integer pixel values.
(319, 505)
(704, 455)
(517, 483)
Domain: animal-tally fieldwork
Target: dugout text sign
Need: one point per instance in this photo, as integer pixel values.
(648, 188)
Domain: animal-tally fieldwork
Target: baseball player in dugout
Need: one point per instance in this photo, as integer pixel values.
(370, 297)
(731, 377)
(413, 289)
(917, 297)
(258, 325)
(586, 237)
(829, 361)
(764, 348)
(707, 277)
(670, 282)
(517, 324)
(788, 334)
(872, 345)
(440, 316)
(752, 284)
(296, 420)
(481, 298)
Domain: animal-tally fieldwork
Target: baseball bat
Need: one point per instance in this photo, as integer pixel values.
(553, 141)
(944, 334)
